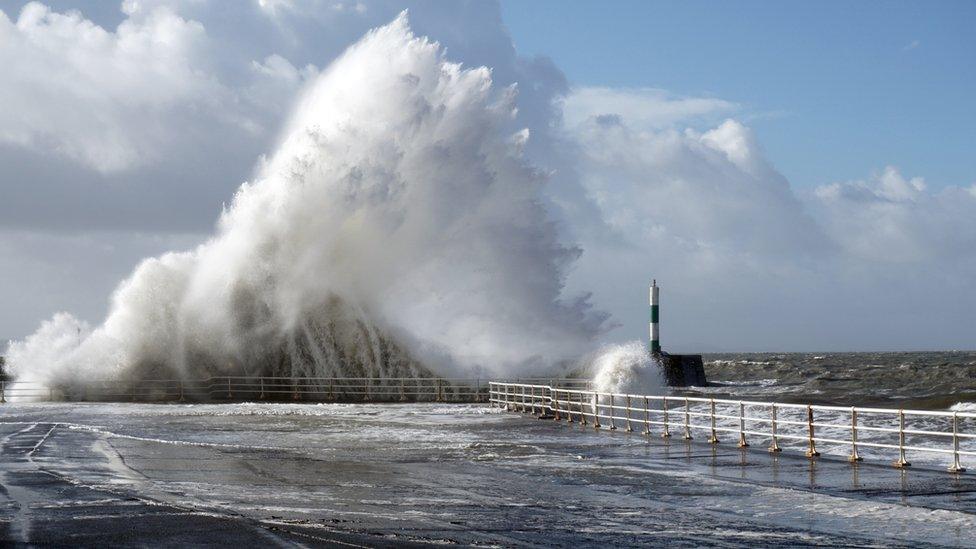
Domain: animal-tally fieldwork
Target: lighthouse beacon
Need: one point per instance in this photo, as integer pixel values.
(679, 370)
(655, 333)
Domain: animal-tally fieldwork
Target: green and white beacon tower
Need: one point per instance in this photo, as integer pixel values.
(655, 333)
(679, 370)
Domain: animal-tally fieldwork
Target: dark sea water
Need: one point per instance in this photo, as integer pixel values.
(928, 380)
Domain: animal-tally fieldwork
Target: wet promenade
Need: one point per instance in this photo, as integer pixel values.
(378, 475)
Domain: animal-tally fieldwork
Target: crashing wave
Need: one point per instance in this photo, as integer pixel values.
(396, 231)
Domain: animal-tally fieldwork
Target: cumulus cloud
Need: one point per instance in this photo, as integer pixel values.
(744, 256)
(707, 191)
(108, 100)
(892, 219)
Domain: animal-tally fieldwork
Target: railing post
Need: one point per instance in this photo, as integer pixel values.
(812, 451)
(3, 392)
(596, 410)
(403, 393)
(555, 402)
(956, 466)
(440, 394)
(569, 407)
(629, 428)
(613, 425)
(582, 407)
(262, 388)
(229, 394)
(713, 439)
(901, 462)
(667, 422)
(854, 457)
(647, 417)
(687, 421)
(774, 447)
(181, 390)
(742, 426)
(582, 414)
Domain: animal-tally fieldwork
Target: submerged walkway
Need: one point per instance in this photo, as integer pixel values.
(385, 475)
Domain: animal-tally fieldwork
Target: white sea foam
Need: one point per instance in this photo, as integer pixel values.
(627, 368)
(396, 229)
(969, 407)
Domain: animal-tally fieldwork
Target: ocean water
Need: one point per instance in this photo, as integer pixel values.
(926, 380)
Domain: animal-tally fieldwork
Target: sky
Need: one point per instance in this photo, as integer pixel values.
(795, 177)
(833, 88)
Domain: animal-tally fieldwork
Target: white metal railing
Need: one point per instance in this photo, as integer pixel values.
(844, 429)
(271, 388)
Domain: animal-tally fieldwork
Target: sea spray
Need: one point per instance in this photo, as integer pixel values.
(627, 368)
(395, 231)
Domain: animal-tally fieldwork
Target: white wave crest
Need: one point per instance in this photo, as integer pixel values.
(627, 368)
(969, 407)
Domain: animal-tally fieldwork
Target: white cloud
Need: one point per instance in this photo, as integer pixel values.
(747, 261)
(101, 98)
(117, 100)
(889, 218)
(642, 107)
(711, 190)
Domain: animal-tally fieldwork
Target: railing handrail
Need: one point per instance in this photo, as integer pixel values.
(820, 407)
(236, 387)
(583, 405)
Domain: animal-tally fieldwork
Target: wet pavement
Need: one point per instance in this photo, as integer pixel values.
(385, 475)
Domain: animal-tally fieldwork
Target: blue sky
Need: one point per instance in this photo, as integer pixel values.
(834, 90)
